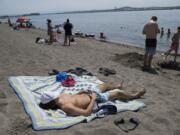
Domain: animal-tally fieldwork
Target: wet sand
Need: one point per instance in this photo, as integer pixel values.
(20, 55)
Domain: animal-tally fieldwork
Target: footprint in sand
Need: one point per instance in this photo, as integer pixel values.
(163, 122)
(132, 60)
(176, 132)
(3, 119)
(103, 132)
(150, 103)
(172, 113)
(150, 127)
(20, 126)
(160, 120)
(78, 133)
(3, 102)
(3, 106)
(177, 109)
(2, 95)
(177, 121)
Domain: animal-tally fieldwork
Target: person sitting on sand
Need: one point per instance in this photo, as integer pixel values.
(84, 102)
(174, 44)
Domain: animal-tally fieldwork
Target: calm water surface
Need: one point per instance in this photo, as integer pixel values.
(121, 27)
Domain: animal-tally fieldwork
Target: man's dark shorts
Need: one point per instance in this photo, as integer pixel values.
(151, 46)
(69, 33)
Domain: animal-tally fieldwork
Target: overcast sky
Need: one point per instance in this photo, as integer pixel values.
(8, 7)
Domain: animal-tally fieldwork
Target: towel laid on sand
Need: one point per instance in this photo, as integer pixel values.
(30, 88)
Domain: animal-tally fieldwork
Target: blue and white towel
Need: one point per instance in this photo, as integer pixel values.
(29, 89)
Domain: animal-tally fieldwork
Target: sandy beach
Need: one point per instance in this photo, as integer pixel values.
(21, 56)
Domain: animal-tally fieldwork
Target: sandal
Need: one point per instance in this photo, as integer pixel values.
(127, 125)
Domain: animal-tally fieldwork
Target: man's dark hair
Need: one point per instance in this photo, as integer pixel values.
(49, 20)
(51, 105)
(67, 20)
(178, 28)
(154, 18)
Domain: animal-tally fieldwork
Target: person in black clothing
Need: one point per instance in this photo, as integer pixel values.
(9, 22)
(68, 32)
(50, 30)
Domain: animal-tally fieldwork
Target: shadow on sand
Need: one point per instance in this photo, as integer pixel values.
(171, 65)
(132, 60)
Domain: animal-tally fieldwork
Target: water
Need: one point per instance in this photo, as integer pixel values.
(121, 27)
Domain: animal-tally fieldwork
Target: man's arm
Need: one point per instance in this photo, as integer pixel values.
(144, 30)
(76, 111)
(173, 37)
(158, 30)
(89, 92)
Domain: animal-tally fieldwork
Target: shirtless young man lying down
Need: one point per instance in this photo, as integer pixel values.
(83, 102)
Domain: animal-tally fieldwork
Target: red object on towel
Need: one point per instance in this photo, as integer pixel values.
(69, 82)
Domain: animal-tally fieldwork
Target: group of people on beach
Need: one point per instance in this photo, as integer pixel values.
(83, 102)
(21, 23)
(67, 29)
(151, 30)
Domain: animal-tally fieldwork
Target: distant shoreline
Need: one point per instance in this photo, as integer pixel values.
(122, 9)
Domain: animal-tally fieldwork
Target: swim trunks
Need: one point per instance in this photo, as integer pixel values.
(175, 47)
(151, 42)
(150, 50)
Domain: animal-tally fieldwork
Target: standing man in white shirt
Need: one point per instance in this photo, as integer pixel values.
(151, 29)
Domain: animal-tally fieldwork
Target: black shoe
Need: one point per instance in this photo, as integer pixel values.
(53, 72)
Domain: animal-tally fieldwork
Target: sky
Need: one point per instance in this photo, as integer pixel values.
(13, 7)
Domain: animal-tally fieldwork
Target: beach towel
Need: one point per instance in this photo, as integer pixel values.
(30, 88)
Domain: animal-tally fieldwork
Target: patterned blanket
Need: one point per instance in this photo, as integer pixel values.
(29, 89)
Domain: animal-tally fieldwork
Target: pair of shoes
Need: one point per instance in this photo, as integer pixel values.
(127, 125)
(84, 71)
(79, 71)
(106, 71)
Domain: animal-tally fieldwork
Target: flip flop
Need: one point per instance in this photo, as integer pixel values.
(110, 71)
(107, 71)
(53, 72)
(120, 122)
(103, 71)
(127, 125)
(135, 122)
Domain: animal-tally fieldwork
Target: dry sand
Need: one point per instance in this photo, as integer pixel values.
(19, 55)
